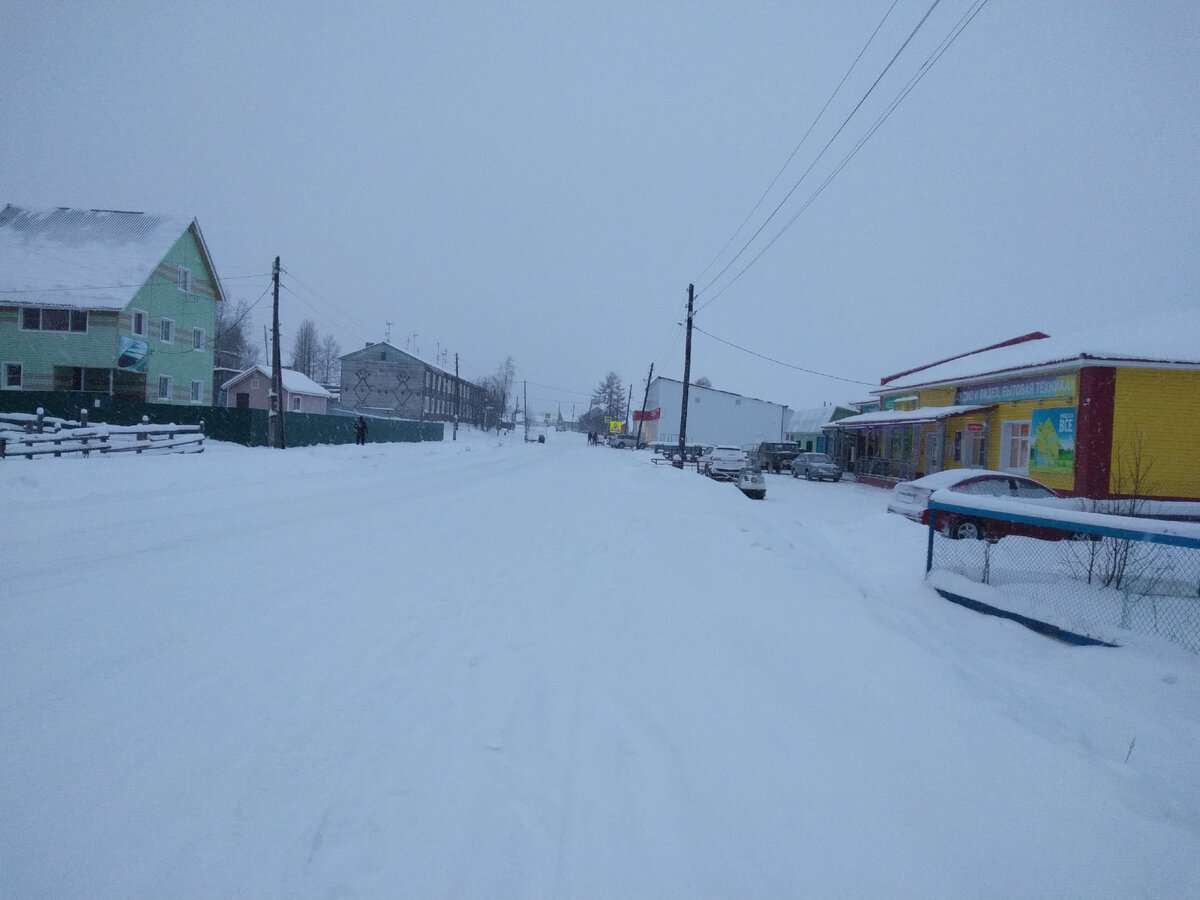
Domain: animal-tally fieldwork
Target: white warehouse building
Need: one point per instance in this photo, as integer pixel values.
(714, 417)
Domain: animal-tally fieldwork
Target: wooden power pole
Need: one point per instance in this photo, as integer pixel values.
(275, 436)
(646, 396)
(687, 377)
(457, 396)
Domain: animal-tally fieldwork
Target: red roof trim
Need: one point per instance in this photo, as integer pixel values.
(1032, 336)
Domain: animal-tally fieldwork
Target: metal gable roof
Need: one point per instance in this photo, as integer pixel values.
(83, 258)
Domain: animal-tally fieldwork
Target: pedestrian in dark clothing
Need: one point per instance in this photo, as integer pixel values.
(360, 431)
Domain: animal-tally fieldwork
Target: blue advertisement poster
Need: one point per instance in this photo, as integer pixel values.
(1052, 442)
(131, 354)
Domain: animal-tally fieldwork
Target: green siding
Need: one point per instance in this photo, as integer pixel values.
(39, 353)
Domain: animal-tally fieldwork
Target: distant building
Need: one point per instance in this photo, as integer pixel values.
(714, 417)
(252, 390)
(805, 426)
(122, 303)
(384, 380)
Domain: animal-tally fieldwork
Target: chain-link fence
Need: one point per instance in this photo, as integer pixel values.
(1088, 574)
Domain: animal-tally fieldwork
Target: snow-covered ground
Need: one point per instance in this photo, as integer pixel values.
(497, 669)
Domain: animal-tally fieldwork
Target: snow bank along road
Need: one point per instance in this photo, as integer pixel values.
(498, 669)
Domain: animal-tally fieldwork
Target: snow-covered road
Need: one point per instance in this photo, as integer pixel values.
(498, 669)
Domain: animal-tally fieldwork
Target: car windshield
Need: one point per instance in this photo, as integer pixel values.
(820, 458)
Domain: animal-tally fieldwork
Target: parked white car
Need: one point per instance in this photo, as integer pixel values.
(722, 461)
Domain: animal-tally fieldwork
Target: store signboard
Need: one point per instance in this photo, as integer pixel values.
(1052, 442)
(1039, 387)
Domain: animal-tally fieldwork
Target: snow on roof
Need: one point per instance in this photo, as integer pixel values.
(293, 382)
(809, 421)
(1164, 339)
(906, 416)
(81, 258)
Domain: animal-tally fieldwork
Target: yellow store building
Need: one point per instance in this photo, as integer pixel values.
(1103, 414)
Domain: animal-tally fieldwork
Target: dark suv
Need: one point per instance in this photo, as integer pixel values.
(775, 456)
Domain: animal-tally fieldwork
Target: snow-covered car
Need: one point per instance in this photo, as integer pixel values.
(722, 461)
(751, 483)
(911, 500)
(816, 466)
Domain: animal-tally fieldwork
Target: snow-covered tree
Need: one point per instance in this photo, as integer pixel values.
(610, 397)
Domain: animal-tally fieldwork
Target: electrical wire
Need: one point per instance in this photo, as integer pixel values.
(930, 61)
(817, 159)
(804, 138)
(781, 362)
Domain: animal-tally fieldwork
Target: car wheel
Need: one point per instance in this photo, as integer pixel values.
(808, 475)
(967, 530)
(795, 474)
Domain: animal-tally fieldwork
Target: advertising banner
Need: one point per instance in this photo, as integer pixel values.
(650, 415)
(1042, 387)
(131, 354)
(1052, 442)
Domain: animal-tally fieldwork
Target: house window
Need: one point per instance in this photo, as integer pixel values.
(197, 338)
(138, 325)
(185, 279)
(254, 382)
(295, 404)
(164, 387)
(12, 376)
(197, 391)
(34, 319)
(168, 331)
(1014, 447)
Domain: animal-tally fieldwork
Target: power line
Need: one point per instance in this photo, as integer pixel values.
(153, 279)
(796, 149)
(932, 59)
(780, 362)
(817, 159)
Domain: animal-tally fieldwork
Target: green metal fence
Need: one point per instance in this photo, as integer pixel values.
(239, 426)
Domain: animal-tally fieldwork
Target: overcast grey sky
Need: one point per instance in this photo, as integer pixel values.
(543, 180)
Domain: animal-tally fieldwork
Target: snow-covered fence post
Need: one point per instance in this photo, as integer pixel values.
(83, 418)
(142, 434)
(41, 415)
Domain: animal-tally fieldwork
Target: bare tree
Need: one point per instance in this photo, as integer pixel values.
(703, 381)
(305, 348)
(328, 366)
(232, 347)
(497, 390)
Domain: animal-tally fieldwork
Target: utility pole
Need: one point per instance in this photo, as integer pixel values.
(275, 435)
(457, 397)
(645, 397)
(387, 332)
(525, 390)
(628, 404)
(687, 375)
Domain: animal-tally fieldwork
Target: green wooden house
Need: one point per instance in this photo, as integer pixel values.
(122, 303)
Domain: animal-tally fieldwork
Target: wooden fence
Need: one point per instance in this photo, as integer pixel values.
(24, 435)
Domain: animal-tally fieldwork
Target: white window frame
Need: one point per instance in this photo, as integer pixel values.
(166, 388)
(20, 369)
(41, 316)
(197, 391)
(296, 402)
(166, 331)
(1010, 442)
(197, 338)
(183, 279)
(133, 322)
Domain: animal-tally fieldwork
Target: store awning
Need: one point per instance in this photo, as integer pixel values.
(919, 416)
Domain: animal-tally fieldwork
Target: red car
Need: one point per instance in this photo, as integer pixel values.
(911, 500)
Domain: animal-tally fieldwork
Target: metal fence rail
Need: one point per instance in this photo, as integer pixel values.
(1101, 575)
